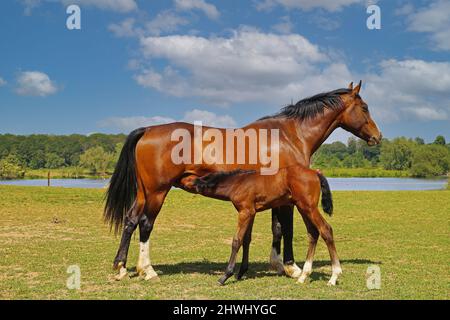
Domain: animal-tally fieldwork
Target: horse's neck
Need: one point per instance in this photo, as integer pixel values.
(313, 132)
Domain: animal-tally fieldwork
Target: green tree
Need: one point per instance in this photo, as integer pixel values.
(430, 160)
(53, 161)
(419, 141)
(10, 168)
(396, 155)
(97, 160)
(440, 140)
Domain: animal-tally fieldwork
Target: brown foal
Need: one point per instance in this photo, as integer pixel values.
(251, 192)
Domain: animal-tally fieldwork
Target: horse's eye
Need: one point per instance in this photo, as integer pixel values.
(365, 108)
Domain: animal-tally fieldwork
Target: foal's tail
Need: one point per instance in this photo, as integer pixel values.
(123, 185)
(327, 198)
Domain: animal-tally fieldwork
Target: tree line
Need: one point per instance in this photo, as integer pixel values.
(98, 153)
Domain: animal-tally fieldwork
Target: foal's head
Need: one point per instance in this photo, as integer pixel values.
(356, 117)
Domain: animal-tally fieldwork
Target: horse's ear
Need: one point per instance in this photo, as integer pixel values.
(350, 86)
(356, 89)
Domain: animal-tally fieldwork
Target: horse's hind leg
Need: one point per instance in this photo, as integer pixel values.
(245, 251)
(283, 227)
(153, 206)
(245, 217)
(130, 224)
(313, 236)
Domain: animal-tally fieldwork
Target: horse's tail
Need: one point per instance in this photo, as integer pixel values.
(327, 198)
(122, 188)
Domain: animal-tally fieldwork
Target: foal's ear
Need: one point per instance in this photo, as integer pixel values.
(350, 86)
(356, 89)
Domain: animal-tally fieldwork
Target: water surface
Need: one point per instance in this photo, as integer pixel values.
(345, 184)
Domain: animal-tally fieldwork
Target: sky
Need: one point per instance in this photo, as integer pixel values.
(227, 63)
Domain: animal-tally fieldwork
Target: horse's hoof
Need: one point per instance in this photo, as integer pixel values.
(152, 278)
(331, 283)
(149, 274)
(122, 274)
(292, 270)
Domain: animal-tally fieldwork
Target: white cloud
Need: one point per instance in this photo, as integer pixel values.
(124, 29)
(207, 118)
(285, 26)
(127, 124)
(414, 88)
(2, 82)
(434, 20)
(208, 9)
(247, 66)
(35, 83)
(330, 5)
(165, 21)
(122, 6)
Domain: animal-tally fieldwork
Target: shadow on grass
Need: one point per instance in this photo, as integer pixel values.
(256, 269)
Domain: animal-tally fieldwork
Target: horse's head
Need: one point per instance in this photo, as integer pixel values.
(356, 118)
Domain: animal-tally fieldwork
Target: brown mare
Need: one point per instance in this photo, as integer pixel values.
(251, 192)
(146, 171)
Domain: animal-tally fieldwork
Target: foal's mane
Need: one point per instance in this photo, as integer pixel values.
(310, 107)
(212, 180)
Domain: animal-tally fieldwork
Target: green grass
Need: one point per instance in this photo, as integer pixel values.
(44, 230)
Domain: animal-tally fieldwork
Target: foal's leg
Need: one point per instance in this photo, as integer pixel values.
(326, 232)
(153, 206)
(313, 236)
(245, 217)
(245, 250)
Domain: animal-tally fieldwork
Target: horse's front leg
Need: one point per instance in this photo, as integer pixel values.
(245, 218)
(283, 227)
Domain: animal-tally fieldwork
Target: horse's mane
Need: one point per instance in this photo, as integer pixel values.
(211, 180)
(312, 106)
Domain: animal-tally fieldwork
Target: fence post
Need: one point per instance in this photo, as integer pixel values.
(48, 179)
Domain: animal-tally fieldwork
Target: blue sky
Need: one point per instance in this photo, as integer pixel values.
(227, 63)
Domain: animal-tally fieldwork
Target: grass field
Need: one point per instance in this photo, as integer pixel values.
(45, 230)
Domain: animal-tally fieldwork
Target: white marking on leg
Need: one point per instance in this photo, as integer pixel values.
(336, 269)
(144, 256)
(144, 266)
(276, 262)
(307, 269)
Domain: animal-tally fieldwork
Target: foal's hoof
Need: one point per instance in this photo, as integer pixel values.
(331, 283)
(302, 278)
(223, 279)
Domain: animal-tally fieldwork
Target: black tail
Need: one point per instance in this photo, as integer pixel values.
(327, 198)
(123, 185)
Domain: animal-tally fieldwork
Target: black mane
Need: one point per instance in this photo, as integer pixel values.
(312, 106)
